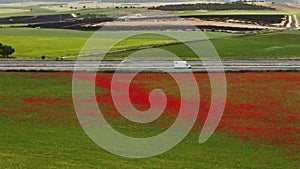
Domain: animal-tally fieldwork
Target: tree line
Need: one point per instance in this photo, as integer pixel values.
(213, 6)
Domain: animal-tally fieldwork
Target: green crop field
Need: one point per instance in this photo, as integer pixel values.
(29, 8)
(21, 11)
(11, 10)
(46, 10)
(280, 45)
(39, 128)
(33, 43)
(264, 46)
(260, 46)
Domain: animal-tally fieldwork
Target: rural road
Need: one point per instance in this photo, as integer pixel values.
(237, 65)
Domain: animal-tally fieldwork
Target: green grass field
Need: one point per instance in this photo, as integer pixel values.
(31, 8)
(265, 46)
(12, 10)
(39, 129)
(25, 11)
(33, 43)
(37, 10)
(280, 45)
(261, 46)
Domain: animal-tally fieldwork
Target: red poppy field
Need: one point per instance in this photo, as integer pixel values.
(259, 128)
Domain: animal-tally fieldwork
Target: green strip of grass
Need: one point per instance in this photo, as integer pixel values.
(12, 25)
(44, 32)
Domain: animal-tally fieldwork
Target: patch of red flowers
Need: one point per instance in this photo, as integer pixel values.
(260, 106)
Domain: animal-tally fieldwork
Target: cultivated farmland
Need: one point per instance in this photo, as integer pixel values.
(259, 128)
(33, 43)
(279, 45)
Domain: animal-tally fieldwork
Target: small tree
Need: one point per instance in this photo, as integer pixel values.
(1, 49)
(5, 50)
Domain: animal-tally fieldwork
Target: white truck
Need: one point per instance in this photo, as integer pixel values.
(181, 65)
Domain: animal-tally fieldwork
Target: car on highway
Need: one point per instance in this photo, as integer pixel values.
(126, 61)
(182, 65)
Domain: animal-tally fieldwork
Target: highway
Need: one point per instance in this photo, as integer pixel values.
(229, 65)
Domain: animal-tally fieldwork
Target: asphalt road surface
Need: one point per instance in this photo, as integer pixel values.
(237, 65)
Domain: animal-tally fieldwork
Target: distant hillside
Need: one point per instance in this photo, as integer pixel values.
(127, 1)
(132, 1)
(12, 1)
(283, 0)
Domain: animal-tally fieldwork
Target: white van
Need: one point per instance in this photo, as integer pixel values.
(181, 65)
